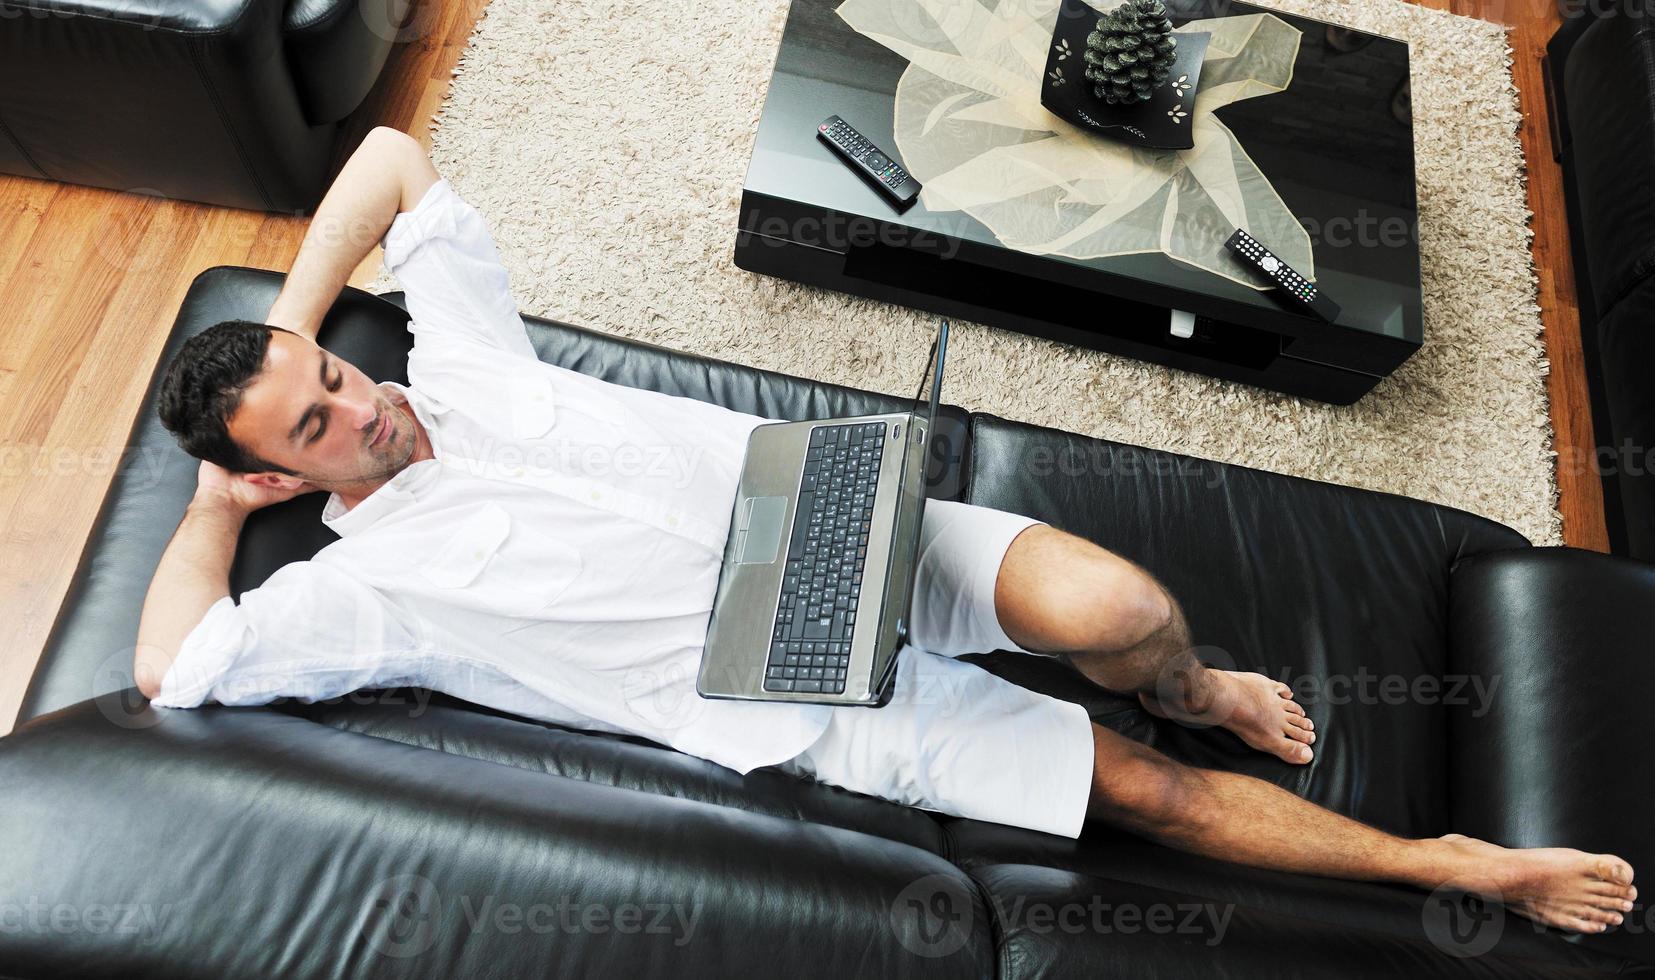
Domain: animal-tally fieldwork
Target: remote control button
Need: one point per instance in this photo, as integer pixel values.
(1271, 264)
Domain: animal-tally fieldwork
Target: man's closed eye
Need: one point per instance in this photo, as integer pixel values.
(322, 416)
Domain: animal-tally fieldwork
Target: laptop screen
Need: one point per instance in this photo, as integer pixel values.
(925, 403)
(905, 546)
(924, 419)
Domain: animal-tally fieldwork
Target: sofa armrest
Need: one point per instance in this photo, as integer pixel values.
(244, 842)
(1546, 744)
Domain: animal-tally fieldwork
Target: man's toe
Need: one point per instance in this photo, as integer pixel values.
(1610, 868)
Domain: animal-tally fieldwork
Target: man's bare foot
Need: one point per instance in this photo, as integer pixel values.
(1561, 887)
(1256, 709)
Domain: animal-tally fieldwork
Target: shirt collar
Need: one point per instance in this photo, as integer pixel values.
(401, 488)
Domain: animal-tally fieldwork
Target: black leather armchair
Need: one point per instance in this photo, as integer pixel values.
(1459, 679)
(230, 102)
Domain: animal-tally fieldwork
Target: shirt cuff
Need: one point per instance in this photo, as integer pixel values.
(204, 657)
(432, 216)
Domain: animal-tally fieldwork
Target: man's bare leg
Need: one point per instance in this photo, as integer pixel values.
(1057, 593)
(1061, 594)
(1248, 821)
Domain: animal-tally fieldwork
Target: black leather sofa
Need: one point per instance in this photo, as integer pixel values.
(231, 103)
(397, 834)
(1602, 91)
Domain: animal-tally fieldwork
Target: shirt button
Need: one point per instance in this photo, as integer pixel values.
(672, 522)
(477, 554)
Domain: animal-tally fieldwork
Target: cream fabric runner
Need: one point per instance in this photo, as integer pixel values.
(970, 127)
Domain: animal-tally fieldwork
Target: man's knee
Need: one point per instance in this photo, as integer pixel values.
(1109, 607)
(1084, 600)
(1138, 789)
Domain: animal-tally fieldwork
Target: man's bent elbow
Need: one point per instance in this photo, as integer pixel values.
(390, 133)
(149, 689)
(149, 668)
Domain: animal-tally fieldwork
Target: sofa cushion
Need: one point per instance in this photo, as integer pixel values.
(1341, 593)
(1056, 921)
(238, 842)
(436, 721)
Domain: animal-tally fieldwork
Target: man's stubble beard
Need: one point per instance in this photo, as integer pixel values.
(400, 446)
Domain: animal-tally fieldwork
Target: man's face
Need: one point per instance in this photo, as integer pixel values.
(317, 415)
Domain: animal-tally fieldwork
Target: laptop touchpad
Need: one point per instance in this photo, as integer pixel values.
(761, 530)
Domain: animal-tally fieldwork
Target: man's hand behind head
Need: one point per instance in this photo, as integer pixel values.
(244, 492)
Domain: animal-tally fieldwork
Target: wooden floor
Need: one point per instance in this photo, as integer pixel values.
(90, 281)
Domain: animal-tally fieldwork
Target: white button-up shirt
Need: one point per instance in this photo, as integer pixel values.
(557, 559)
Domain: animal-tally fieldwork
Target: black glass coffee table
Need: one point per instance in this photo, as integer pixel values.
(1337, 145)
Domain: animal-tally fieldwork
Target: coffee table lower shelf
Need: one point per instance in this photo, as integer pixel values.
(1066, 314)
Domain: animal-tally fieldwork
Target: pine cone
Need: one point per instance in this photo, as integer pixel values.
(1131, 53)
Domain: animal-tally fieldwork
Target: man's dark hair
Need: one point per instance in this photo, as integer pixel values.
(203, 387)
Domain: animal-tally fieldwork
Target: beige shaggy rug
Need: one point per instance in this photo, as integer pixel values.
(609, 163)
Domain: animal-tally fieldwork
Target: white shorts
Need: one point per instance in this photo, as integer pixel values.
(956, 739)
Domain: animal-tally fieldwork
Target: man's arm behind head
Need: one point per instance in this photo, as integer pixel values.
(194, 571)
(388, 174)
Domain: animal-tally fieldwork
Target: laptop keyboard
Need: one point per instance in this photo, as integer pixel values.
(810, 646)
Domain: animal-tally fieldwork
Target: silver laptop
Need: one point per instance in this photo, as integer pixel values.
(813, 598)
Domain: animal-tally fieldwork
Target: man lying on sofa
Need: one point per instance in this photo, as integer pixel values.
(523, 536)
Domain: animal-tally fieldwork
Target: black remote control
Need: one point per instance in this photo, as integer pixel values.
(872, 162)
(1302, 291)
